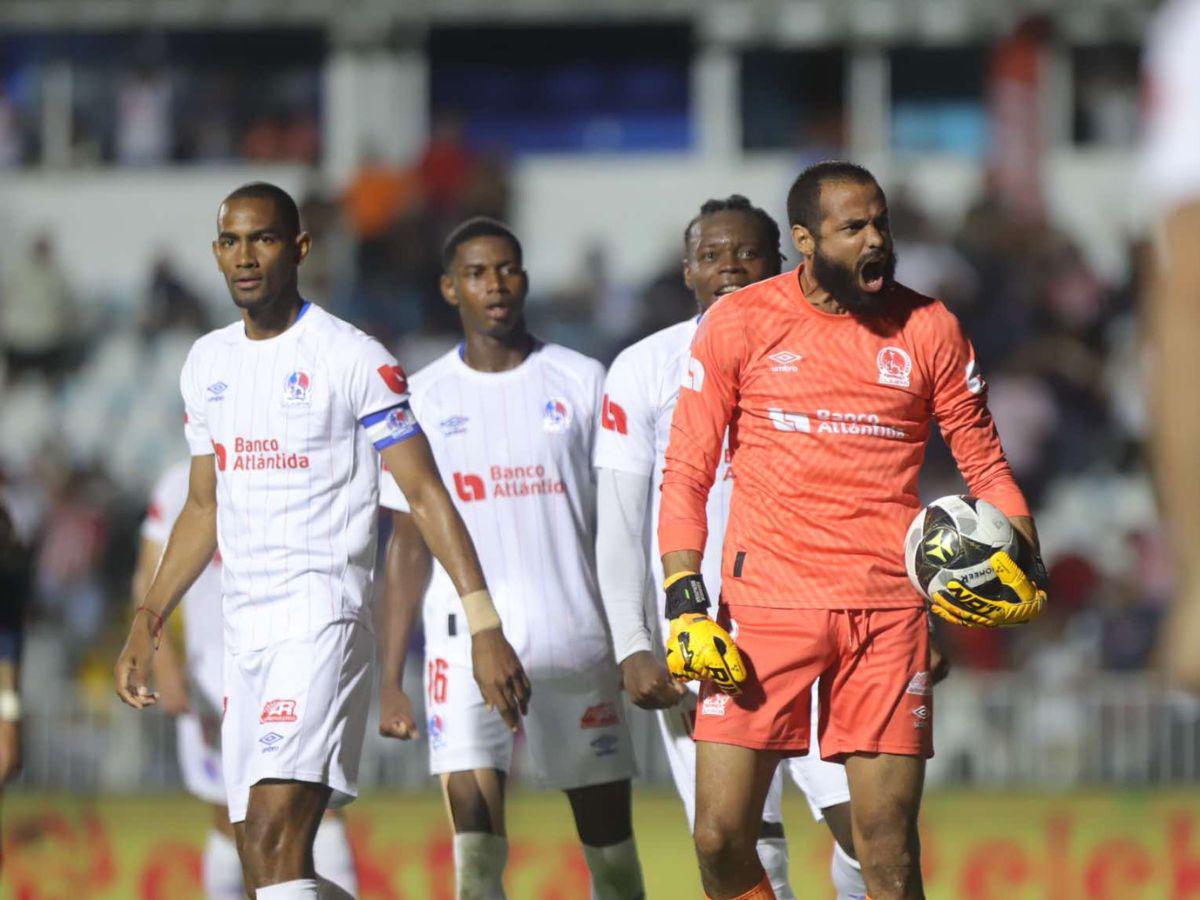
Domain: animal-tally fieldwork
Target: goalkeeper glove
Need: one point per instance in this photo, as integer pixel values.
(698, 649)
(962, 606)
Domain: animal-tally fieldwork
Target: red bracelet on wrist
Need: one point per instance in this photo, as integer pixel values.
(157, 625)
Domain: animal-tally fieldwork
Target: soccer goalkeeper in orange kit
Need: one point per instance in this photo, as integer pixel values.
(828, 378)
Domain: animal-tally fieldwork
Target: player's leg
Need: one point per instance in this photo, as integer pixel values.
(844, 868)
(295, 720)
(579, 743)
(827, 791)
(878, 715)
(333, 859)
(886, 798)
(199, 749)
(731, 788)
(772, 845)
(675, 725)
(281, 821)
(221, 867)
(740, 740)
(475, 805)
(604, 821)
(470, 748)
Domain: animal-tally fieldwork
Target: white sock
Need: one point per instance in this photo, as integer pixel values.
(479, 860)
(773, 854)
(221, 868)
(334, 862)
(616, 872)
(847, 875)
(300, 889)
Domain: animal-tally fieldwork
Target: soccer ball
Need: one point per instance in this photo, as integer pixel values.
(953, 539)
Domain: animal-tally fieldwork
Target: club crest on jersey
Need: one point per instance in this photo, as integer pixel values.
(895, 367)
(296, 388)
(556, 416)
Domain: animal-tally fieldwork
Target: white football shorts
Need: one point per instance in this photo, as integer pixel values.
(823, 783)
(297, 711)
(575, 730)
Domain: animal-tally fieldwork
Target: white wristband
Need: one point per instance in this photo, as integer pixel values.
(481, 612)
(10, 706)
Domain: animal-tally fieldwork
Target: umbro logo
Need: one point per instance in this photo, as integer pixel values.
(785, 361)
(216, 390)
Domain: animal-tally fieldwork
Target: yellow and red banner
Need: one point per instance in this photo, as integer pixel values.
(976, 846)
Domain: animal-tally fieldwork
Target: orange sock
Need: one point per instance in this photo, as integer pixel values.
(761, 891)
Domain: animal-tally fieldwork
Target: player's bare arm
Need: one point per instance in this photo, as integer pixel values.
(189, 550)
(498, 671)
(1175, 326)
(407, 569)
(167, 667)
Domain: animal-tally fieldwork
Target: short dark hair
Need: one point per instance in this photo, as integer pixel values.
(804, 198)
(736, 203)
(476, 227)
(262, 190)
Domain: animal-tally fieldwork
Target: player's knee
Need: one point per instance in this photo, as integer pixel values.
(718, 847)
(885, 835)
(270, 848)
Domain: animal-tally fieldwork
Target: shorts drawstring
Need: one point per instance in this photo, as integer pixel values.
(856, 636)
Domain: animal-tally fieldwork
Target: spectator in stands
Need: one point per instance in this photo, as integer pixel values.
(36, 313)
(144, 127)
(446, 166)
(171, 303)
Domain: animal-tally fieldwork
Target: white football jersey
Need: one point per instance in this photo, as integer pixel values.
(515, 451)
(635, 427)
(291, 421)
(1171, 161)
(201, 605)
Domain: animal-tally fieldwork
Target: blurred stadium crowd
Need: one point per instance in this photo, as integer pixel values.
(1057, 343)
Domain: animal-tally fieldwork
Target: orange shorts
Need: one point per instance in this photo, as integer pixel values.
(875, 690)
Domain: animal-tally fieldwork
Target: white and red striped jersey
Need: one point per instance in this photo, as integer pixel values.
(515, 451)
(201, 606)
(291, 421)
(635, 426)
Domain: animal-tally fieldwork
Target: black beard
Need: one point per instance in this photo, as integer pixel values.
(842, 284)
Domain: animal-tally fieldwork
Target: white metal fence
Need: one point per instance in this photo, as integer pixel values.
(995, 730)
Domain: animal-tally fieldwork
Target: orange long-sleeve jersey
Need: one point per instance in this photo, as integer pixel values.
(828, 418)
